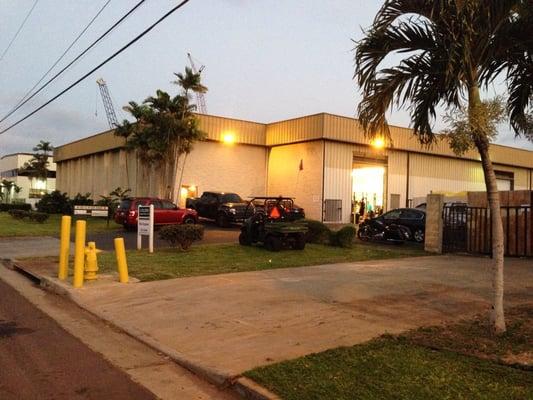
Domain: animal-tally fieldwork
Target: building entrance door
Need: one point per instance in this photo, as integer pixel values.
(368, 183)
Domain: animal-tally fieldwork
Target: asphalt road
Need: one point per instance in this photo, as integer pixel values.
(40, 360)
(212, 234)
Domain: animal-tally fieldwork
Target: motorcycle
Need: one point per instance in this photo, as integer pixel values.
(376, 230)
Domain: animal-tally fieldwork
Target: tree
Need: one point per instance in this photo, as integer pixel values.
(165, 128)
(450, 50)
(37, 166)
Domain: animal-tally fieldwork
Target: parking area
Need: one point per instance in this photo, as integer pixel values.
(212, 235)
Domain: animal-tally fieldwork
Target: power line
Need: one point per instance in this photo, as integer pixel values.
(74, 60)
(99, 65)
(18, 30)
(65, 52)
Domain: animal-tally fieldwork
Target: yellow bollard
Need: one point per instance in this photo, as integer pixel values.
(64, 247)
(91, 261)
(79, 253)
(122, 263)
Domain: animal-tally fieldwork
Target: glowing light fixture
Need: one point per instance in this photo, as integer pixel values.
(378, 143)
(192, 188)
(228, 138)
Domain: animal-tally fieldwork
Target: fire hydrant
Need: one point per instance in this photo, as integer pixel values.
(91, 261)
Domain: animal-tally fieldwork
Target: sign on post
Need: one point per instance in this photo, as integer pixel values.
(145, 226)
(92, 211)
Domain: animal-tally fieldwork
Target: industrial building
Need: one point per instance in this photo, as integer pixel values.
(324, 161)
(31, 189)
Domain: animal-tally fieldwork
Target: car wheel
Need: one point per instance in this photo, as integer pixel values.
(222, 221)
(189, 221)
(419, 236)
(299, 243)
(273, 243)
(244, 240)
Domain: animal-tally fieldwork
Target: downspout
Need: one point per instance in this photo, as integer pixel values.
(407, 181)
(323, 178)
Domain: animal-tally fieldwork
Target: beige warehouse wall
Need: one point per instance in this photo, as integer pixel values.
(210, 166)
(396, 176)
(286, 178)
(453, 175)
(238, 168)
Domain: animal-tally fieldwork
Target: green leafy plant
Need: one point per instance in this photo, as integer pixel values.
(54, 203)
(19, 214)
(182, 235)
(317, 232)
(344, 237)
(38, 216)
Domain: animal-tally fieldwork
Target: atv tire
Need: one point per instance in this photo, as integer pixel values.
(244, 240)
(299, 242)
(273, 243)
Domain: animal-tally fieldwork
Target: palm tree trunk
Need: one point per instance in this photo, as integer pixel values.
(493, 197)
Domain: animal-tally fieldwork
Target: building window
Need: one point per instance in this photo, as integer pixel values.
(505, 180)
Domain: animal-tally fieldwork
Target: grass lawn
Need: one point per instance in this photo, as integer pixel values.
(10, 227)
(224, 258)
(459, 360)
(389, 368)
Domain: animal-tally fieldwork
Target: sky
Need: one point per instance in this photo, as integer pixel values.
(265, 60)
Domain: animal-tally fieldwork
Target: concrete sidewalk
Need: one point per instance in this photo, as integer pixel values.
(230, 323)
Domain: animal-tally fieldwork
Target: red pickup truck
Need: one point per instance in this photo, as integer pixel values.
(165, 212)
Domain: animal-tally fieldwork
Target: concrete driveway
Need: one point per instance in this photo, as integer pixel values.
(19, 247)
(234, 322)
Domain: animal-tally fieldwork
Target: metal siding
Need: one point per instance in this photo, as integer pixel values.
(295, 130)
(338, 175)
(396, 176)
(245, 132)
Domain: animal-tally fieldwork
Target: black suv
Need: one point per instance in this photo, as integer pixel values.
(223, 207)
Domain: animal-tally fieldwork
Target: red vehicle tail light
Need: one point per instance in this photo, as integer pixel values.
(132, 213)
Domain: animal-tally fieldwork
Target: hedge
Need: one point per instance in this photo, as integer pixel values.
(182, 235)
(15, 206)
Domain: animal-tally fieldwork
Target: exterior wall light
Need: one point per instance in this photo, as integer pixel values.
(378, 143)
(228, 138)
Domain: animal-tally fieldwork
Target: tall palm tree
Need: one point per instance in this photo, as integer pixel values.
(165, 129)
(44, 147)
(450, 50)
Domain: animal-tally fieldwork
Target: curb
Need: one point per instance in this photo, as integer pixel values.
(243, 386)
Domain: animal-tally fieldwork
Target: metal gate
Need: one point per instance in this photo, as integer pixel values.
(468, 229)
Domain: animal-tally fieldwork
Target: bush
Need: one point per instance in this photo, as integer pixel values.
(182, 235)
(81, 200)
(38, 217)
(19, 214)
(15, 206)
(317, 233)
(344, 237)
(54, 203)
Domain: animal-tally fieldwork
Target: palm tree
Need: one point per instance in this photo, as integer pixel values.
(7, 186)
(450, 50)
(44, 148)
(165, 128)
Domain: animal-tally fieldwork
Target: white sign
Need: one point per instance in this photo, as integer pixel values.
(145, 226)
(92, 211)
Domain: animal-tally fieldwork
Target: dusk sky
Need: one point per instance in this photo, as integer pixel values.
(266, 60)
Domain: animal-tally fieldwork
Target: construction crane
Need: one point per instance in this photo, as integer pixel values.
(108, 104)
(200, 98)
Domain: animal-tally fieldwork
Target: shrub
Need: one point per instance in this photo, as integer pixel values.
(19, 214)
(318, 232)
(343, 237)
(54, 203)
(182, 235)
(38, 217)
(15, 206)
(81, 200)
